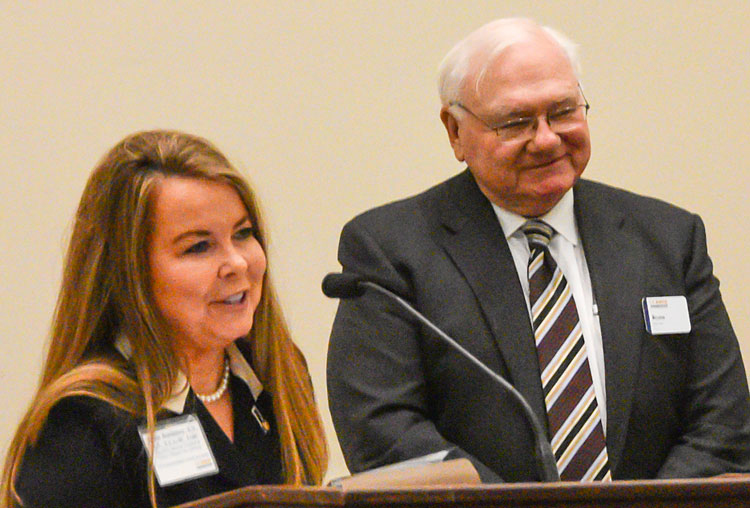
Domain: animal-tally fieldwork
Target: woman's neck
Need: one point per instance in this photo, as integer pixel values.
(205, 370)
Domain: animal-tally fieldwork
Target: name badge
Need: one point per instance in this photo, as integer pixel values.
(181, 450)
(666, 314)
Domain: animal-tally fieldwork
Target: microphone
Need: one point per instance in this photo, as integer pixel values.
(349, 285)
(343, 285)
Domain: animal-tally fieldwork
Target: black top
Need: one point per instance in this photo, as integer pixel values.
(90, 454)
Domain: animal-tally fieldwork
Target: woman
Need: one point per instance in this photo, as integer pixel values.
(167, 342)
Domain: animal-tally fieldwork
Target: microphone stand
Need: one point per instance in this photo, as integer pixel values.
(545, 459)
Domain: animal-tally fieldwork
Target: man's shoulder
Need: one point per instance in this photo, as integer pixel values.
(592, 193)
(412, 208)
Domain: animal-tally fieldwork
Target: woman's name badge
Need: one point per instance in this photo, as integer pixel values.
(666, 315)
(181, 450)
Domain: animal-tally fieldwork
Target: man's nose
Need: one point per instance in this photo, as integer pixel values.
(544, 137)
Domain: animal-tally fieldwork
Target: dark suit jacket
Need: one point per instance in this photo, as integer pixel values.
(91, 456)
(677, 405)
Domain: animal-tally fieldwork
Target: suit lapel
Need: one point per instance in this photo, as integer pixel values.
(616, 271)
(476, 244)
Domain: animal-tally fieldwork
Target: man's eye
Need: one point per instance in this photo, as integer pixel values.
(563, 113)
(198, 248)
(245, 233)
(517, 124)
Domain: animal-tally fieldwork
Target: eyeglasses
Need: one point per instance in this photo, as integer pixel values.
(563, 118)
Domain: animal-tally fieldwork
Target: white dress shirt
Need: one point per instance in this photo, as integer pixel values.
(567, 250)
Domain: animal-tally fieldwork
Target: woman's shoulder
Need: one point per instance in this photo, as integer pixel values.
(84, 408)
(97, 423)
(80, 456)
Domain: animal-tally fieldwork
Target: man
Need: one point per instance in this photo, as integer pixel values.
(564, 320)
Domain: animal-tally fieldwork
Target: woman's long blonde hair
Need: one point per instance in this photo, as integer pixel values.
(106, 292)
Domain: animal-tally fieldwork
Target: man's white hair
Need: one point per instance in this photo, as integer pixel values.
(471, 57)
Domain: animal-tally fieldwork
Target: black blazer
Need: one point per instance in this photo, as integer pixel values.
(677, 405)
(90, 455)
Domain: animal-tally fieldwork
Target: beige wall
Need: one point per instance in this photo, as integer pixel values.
(330, 108)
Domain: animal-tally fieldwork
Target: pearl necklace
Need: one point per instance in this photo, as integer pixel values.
(212, 397)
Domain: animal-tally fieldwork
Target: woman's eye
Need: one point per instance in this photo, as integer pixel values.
(197, 248)
(245, 233)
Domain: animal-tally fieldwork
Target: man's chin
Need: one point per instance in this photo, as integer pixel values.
(532, 198)
(539, 208)
(554, 184)
(543, 200)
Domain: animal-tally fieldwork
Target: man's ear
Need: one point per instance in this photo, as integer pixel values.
(454, 136)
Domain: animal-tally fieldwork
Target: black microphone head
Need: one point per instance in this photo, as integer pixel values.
(343, 285)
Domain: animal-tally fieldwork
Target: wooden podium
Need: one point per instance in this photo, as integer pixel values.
(722, 492)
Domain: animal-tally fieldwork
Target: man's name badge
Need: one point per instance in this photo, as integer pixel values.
(666, 315)
(181, 450)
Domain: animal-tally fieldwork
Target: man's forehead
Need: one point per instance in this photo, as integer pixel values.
(529, 70)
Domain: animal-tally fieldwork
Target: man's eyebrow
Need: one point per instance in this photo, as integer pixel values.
(522, 111)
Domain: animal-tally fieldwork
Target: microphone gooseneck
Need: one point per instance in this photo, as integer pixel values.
(347, 285)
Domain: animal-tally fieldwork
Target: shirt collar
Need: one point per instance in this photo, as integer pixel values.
(561, 217)
(176, 403)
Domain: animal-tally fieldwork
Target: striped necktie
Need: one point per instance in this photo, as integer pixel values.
(572, 412)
